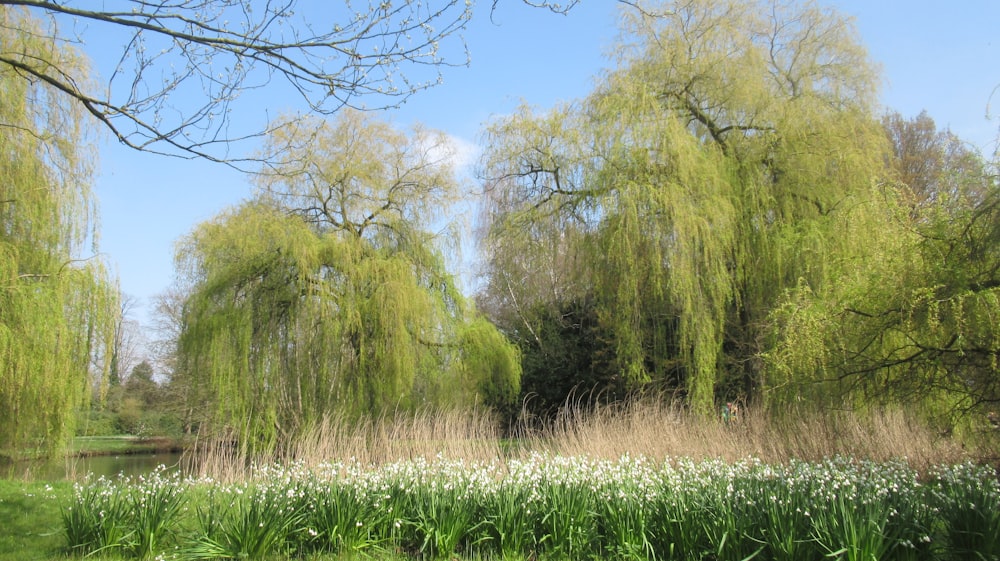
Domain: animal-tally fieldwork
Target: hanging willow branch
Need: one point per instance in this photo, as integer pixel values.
(56, 309)
(325, 296)
(702, 184)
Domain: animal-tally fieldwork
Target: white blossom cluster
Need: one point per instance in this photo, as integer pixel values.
(560, 506)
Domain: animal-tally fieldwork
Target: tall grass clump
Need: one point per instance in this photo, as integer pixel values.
(347, 518)
(568, 525)
(251, 520)
(510, 517)
(471, 435)
(96, 519)
(623, 512)
(871, 511)
(441, 518)
(132, 518)
(662, 429)
(968, 498)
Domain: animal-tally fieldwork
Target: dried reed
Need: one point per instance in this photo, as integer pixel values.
(663, 430)
(655, 429)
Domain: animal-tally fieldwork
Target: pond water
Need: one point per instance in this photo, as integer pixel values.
(109, 466)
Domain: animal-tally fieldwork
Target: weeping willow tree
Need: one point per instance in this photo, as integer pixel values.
(325, 295)
(56, 311)
(915, 322)
(711, 170)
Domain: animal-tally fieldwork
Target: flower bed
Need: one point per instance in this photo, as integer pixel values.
(555, 507)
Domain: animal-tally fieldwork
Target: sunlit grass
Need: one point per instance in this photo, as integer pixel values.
(30, 526)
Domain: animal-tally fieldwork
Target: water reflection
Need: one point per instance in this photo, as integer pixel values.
(131, 465)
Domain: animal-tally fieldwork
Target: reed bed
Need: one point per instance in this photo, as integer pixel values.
(661, 430)
(651, 429)
(468, 434)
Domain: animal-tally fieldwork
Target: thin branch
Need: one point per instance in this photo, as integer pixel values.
(329, 69)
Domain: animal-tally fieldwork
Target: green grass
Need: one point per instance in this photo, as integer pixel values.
(30, 519)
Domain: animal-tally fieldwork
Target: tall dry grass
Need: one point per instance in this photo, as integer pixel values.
(653, 429)
(469, 435)
(663, 431)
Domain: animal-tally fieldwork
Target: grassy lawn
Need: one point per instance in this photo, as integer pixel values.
(30, 522)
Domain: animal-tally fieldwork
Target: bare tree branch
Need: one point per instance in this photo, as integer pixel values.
(183, 63)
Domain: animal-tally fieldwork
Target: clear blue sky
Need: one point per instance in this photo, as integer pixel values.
(942, 59)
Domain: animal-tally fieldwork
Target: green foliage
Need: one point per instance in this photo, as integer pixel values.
(969, 499)
(491, 361)
(875, 514)
(129, 418)
(56, 310)
(250, 522)
(710, 172)
(568, 525)
(737, 216)
(509, 520)
(346, 518)
(570, 359)
(30, 525)
(96, 422)
(911, 316)
(561, 508)
(124, 517)
(140, 384)
(323, 296)
(444, 517)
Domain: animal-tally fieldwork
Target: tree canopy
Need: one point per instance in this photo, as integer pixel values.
(727, 217)
(707, 172)
(325, 296)
(56, 307)
(915, 320)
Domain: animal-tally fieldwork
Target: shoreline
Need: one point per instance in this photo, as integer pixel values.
(124, 446)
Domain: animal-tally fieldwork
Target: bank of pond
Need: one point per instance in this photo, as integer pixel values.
(98, 455)
(547, 507)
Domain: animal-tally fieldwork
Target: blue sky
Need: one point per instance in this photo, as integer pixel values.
(942, 59)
